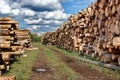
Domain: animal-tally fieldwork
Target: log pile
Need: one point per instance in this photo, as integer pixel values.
(94, 31)
(12, 41)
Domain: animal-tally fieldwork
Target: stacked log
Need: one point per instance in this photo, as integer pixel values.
(94, 31)
(22, 37)
(7, 78)
(12, 41)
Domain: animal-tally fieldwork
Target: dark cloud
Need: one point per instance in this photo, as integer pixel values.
(37, 8)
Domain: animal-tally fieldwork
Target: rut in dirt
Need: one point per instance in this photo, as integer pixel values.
(40, 70)
(80, 68)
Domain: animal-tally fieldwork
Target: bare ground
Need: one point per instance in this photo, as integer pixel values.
(82, 70)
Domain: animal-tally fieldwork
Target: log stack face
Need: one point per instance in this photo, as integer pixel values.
(12, 40)
(93, 31)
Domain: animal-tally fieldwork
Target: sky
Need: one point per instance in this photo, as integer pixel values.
(40, 16)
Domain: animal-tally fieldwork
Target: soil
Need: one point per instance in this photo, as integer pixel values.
(81, 69)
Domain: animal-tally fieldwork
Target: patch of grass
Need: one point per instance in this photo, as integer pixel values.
(66, 52)
(22, 67)
(62, 71)
(39, 45)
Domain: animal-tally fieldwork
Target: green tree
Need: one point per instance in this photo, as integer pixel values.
(35, 38)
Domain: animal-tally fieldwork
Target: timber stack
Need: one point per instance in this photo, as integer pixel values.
(12, 41)
(94, 31)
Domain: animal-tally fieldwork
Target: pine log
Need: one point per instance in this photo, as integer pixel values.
(7, 78)
(6, 57)
(106, 58)
(116, 41)
(119, 60)
(5, 26)
(115, 56)
(5, 44)
(7, 38)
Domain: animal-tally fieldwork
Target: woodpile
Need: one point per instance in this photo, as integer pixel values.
(94, 31)
(12, 41)
(7, 78)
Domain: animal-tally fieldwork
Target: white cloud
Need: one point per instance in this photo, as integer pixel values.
(59, 15)
(15, 12)
(33, 27)
(33, 21)
(43, 22)
(52, 22)
(14, 9)
(4, 7)
(53, 15)
(42, 14)
(15, 4)
(27, 12)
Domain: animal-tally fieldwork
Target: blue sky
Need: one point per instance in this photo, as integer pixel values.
(73, 6)
(40, 16)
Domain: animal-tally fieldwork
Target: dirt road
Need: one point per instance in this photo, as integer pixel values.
(46, 73)
(40, 70)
